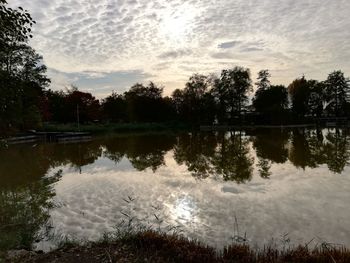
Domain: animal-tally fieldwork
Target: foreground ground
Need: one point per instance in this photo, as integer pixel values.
(151, 246)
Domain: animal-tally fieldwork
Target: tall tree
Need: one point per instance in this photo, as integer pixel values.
(234, 87)
(114, 108)
(194, 93)
(299, 91)
(195, 103)
(15, 30)
(273, 100)
(82, 106)
(337, 92)
(317, 100)
(146, 104)
(22, 73)
(263, 82)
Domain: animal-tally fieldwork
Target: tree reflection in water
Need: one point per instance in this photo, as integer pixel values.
(24, 211)
(337, 150)
(143, 151)
(26, 192)
(196, 151)
(224, 155)
(310, 148)
(233, 159)
(271, 147)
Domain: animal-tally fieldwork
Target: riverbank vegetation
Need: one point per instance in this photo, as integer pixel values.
(26, 102)
(152, 246)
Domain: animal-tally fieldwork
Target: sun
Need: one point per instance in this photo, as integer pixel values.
(177, 25)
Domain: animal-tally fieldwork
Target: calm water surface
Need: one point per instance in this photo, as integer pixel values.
(283, 186)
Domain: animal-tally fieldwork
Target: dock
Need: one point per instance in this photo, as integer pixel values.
(60, 137)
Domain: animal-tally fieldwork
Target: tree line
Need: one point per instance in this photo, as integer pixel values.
(26, 102)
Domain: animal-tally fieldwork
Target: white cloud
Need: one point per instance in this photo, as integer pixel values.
(170, 40)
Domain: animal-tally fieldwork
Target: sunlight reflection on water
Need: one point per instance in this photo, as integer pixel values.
(184, 209)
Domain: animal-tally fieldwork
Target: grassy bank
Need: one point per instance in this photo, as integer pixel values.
(114, 127)
(151, 246)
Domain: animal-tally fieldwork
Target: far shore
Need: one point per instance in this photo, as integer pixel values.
(85, 130)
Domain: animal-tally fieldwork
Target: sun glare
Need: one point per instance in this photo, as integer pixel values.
(176, 25)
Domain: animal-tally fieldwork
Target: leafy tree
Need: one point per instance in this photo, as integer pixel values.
(218, 94)
(263, 80)
(57, 108)
(194, 93)
(114, 108)
(232, 90)
(22, 74)
(195, 103)
(82, 103)
(15, 30)
(337, 92)
(178, 99)
(145, 103)
(299, 91)
(317, 101)
(272, 100)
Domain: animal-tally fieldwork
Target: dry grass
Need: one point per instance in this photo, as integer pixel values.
(152, 246)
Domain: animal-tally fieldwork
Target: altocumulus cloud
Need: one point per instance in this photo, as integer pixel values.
(97, 43)
(97, 82)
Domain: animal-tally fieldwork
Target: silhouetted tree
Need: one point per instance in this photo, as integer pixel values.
(114, 108)
(263, 80)
(195, 92)
(271, 101)
(22, 74)
(82, 103)
(299, 91)
(15, 30)
(57, 108)
(145, 103)
(317, 98)
(337, 92)
(233, 88)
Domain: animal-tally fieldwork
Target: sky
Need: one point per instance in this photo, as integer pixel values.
(109, 45)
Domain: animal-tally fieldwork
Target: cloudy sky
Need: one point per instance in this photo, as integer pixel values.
(108, 45)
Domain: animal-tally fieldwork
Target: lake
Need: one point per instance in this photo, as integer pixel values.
(259, 186)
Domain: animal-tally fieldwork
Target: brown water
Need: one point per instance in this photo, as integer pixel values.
(272, 185)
